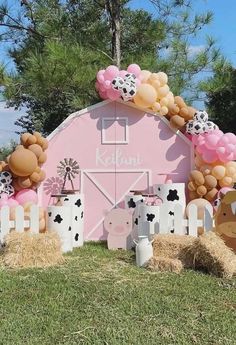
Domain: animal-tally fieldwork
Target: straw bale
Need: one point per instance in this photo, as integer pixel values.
(162, 264)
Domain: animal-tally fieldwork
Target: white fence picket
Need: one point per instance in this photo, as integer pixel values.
(19, 221)
(208, 218)
(5, 223)
(179, 228)
(34, 219)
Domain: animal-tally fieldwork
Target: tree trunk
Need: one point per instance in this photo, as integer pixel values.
(113, 9)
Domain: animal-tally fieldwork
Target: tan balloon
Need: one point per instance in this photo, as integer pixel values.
(192, 186)
(197, 177)
(218, 172)
(164, 102)
(226, 182)
(180, 102)
(144, 76)
(24, 182)
(211, 195)
(146, 95)
(184, 112)
(193, 195)
(23, 162)
(163, 91)
(163, 78)
(42, 158)
(156, 107)
(163, 110)
(201, 190)
(31, 140)
(210, 181)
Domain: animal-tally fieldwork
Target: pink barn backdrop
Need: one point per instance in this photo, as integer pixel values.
(119, 147)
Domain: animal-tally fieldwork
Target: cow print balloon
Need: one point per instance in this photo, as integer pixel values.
(117, 83)
(201, 116)
(128, 91)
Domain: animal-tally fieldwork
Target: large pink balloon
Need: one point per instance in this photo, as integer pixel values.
(134, 68)
(100, 76)
(26, 195)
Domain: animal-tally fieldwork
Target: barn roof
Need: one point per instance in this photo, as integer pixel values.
(70, 118)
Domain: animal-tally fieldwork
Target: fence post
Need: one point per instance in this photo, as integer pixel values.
(179, 227)
(208, 218)
(192, 221)
(34, 219)
(19, 219)
(5, 222)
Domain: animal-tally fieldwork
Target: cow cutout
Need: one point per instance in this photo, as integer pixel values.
(225, 219)
(119, 223)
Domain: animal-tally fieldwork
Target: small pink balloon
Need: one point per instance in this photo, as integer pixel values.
(12, 202)
(134, 68)
(201, 148)
(103, 94)
(211, 141)
(122, 73)
(223, 140)
(26, 195)
(107, 84)
(100, 76)
(231, 137)
(113, 94)
(111, 72)
(4, 200)
(209, 156)
(220, 150)
(230, 148)
(137, 82)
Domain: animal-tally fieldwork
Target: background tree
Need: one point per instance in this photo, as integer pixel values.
(58, 47)
(221, 96)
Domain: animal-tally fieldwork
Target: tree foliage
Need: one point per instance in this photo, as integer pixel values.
(58, 46)
(221, 96)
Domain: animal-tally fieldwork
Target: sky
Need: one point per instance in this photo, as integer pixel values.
(223, 29)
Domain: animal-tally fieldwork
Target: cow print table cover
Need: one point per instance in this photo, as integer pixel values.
(171, 194)
(59, 220)
(132, 202)
(76, 202)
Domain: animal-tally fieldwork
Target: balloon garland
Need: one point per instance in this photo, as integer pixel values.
(215, 151)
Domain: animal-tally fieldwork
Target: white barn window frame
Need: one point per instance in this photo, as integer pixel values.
(126, 130)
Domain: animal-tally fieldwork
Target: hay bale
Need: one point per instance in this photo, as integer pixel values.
(162, 264)
(26, 249)
(171, 245)
(209, 252)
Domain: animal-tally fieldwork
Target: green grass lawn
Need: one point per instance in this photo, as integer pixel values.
(101, 297)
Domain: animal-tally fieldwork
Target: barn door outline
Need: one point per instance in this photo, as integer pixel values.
(88, 173)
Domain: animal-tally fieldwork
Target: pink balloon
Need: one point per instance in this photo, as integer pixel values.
(103, 94)
(4, 200)
(26, 195)
(201, 148)
(231, 137)
(111, 72)
(223, 140)
(134, 68)
(122, 73)
(211, 141)
(107, 84)
(100, 76)
(209, 156)
(137, 82)
(113, 94)
(230, 148)
(12, 202)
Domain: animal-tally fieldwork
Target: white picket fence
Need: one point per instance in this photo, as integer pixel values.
(19, 224)
(179, 222)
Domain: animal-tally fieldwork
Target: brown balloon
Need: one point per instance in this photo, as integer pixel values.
(42, 158)
(23, 162)
(177, 122)
(36, 149)
(193, 195)
(191, 186)
(201, 190)
(180, 102)
(35, 177)
(197, 177)
(210, 181)
(211, 195)
(24, 182)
